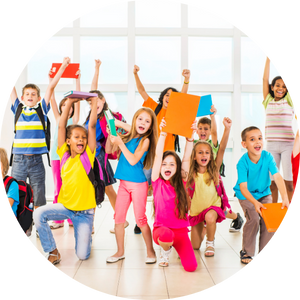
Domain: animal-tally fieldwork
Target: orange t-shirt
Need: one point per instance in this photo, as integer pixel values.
(170, 139)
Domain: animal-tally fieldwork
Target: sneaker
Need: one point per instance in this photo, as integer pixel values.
(236, 224)
(164, 257)
(137, 230)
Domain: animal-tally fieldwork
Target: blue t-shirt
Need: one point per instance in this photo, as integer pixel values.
(13, 192)
(99, 135)
(256, 175)
(125, 171)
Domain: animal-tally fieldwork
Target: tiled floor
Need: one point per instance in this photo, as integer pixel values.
(131, 277)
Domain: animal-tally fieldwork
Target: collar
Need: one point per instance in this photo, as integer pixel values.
(29, 107)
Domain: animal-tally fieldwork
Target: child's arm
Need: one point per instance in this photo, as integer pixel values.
(123, 125)
(76, 115)
(266, 78)
(55, 80)
(94, 85)
(13, 96)
(296, 148)
(139, 85)
(214, 132)
(282, 189)
(53, 102)
(92, 124)
(227, 123)
(186, 74)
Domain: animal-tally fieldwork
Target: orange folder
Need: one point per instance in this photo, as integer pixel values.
(273, 215)
(70, 71)
(181, 113)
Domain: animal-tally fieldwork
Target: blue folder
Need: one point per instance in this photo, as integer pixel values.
(204, 106)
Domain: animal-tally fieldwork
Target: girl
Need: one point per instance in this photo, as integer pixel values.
(279, 132)
(206, 190)
(73, 118)
(137, 151)
(101, 137)
(76, 200)
(171, 204)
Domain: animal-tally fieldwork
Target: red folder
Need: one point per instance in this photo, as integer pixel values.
(273, 215)
(69, 72)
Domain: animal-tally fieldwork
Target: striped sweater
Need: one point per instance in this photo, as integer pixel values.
(279, 119)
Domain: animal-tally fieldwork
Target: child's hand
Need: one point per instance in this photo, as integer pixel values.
(73, 100)
(227, 123)
(107, 130)
(49, 75)
(162, 124)
(116, 140)
(98, 63)
(92, 99)
(285, 203)
(194, 126)
(213, 110)
(66, 61)
(186, 74)
(78, 73)
(135, 69)
(259, 206)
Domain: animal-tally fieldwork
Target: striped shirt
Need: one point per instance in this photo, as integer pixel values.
(279, 119)
(30, 136)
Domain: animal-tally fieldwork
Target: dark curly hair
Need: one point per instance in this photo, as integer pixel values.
(162, 94)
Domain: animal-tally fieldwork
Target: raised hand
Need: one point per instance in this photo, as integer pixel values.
(162, 124)
(227, 122)
(213, 110)
(186, 74)
(98, 63)
(66, 61)
(135, 69)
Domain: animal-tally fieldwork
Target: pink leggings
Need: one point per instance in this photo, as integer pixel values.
(181, 243)
(55, 166)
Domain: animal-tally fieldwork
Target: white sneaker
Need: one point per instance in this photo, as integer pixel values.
(164, 257)
(56, 225)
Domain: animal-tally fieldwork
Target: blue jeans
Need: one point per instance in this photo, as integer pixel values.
(31, 166)
(82, 222)
(148, 175)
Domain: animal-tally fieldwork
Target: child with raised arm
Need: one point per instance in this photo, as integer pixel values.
(171, 204)
(137, 151)
(73, 118)
(76, 200)
(206, 190)
(29, 144)
(253, 190)
(279, 131)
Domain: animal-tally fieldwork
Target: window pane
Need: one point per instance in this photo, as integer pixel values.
(200, 18)
(53, 51)
(253, 62)
(210, 60)
(112, 51)
(111, 16)
(157, 14)
(158, 59)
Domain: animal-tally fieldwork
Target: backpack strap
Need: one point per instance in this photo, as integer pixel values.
(84, 158)
(7, 181)
(64, 158)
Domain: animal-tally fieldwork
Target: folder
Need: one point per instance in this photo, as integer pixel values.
(181, 113)
(273, 215)
(204, 106)
(77, 94)
(110, 122)
(69, 72)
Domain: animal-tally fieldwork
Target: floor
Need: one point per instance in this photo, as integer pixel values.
(131, 277)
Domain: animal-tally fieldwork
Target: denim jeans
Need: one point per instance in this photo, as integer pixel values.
(31, 166)
(148, 175)
(82, 222)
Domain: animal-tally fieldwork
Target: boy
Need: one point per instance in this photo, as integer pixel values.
(29, 142)
(205, 129)
(253, 190)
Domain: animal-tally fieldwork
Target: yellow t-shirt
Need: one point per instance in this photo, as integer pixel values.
(77, 192)
(204, 196)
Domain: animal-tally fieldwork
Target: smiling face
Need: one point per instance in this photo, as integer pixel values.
(77, 141)
(279, 89)
(203, 155)
(254, 142)
(143, 123)
(166, 99)
(30, 97)
(100, 104)
(203, 132)
(168, 167)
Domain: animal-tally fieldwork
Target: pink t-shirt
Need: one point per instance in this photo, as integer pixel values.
(164, 201)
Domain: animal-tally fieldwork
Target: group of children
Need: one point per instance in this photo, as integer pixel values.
(187, 192)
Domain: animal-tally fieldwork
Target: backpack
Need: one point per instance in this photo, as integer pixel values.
(47, 131)
(25, 207)
(94, 174)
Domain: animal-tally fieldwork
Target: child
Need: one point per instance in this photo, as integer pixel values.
(13, 191)
(205, 129)
(101, 137)
(76, 200)
(73, 118)
(206, 190)
(29, 144)
(279, 132)
(253, 190)
(137, 151)
(171, 204)
(295, 159)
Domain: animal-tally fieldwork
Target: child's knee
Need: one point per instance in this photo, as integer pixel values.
(191, 267)
(83, 256)
(142, 221)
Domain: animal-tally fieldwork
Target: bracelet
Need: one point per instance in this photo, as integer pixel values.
(165, 134)
(189, 140)
(186, 82)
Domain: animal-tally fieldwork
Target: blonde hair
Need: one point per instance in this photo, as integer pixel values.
(4, 161)
(211, 169)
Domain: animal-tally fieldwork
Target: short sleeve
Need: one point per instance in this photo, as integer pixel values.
(60, 151)
(272, 164)
(267, 100)
(242, 171)
(15, 106)
(45, 107)
(150, 103)
(13, 192)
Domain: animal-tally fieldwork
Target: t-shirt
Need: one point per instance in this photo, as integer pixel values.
(30, 136)
(125, 171)
(77, 192)
(99, 135)
(13, 192)
(256, 175)
(170, 138)
(204, 195)
(164, 201)
(295, 168)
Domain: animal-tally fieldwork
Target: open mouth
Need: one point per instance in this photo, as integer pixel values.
(202, 136)
(167, 173)
(257, 148)
(80, 147)
(204, 160)
(141, 128)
